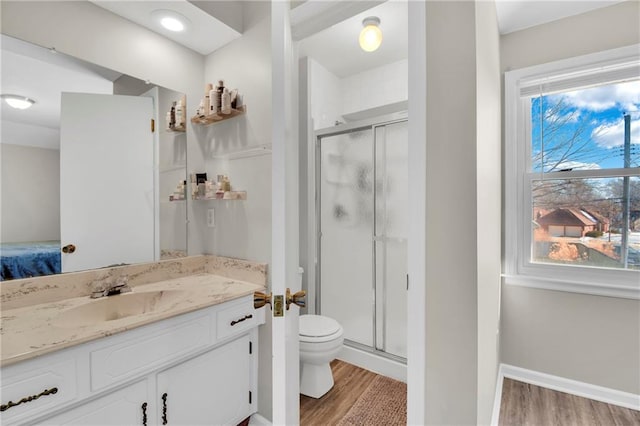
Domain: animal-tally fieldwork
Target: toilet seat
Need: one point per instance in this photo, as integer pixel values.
(317, 329)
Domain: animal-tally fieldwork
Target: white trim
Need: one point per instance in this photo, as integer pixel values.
(561, 384)
(623, 292)
(257, 420)
(372, 362)
(497, 399)
(519, 270)
(416, 244)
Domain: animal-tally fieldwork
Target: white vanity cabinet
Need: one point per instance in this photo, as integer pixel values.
(121, 407)
(195, 368)
(212, 388)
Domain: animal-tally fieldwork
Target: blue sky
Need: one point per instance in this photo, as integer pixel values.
(593, 119)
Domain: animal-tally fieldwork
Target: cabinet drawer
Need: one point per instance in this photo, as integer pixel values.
(143, 352)
(29, 392)
(237, 318)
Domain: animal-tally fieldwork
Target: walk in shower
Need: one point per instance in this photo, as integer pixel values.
(361, 219)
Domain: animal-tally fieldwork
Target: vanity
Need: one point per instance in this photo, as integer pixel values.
(179, 348)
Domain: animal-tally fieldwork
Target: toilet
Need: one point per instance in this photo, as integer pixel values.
(320, 341)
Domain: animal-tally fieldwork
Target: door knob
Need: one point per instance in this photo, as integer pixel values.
(260, 299)
(69, 248)
(297, 298)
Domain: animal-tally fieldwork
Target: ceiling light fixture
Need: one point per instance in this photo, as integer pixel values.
(17, 101)
(170, 20)
(371, 35)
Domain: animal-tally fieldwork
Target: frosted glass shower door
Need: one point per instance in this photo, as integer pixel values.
(391, 201)
(345, 229)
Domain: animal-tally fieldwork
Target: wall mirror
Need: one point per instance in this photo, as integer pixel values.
(88, 180)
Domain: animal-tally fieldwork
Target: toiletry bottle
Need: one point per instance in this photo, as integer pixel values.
(179, 108)
(207, 100)
(220, 91)
(172, 123)
(226, 102)
(213, 99)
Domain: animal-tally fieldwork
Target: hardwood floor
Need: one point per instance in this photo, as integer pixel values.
(350, 383)
(523, 404)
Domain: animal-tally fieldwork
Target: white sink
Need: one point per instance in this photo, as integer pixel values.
(112, 308)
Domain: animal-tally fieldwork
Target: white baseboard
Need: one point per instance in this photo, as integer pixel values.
(257, 420)
(573, 387)
(380, 365)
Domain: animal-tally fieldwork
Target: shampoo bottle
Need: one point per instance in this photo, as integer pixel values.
(226, 102)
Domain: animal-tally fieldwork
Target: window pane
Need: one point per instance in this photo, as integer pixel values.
(582, 222)
(585, 129)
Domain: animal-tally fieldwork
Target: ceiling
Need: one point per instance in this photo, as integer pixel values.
(514, 15)
(35, 72)
(205, 30)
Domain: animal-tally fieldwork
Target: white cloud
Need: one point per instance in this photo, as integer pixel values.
(577, 165)
(626, 95)
(611, 135)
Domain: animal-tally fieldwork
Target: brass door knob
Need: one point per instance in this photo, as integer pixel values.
(69, 248)
(297, 298)
(260, 299)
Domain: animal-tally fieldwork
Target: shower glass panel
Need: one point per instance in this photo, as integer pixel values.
(362, 219)
(391, 202)
(346, 216)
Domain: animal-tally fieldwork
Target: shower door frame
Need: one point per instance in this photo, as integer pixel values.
(340, 129)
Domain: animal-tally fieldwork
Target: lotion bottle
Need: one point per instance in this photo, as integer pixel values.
(226, 102)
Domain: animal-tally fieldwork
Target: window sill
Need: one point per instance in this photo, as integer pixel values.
(619, 291)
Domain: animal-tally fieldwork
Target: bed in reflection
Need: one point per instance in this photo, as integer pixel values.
(29, 259)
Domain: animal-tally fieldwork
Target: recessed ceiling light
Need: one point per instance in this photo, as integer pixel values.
(170, 20)
(17, 101)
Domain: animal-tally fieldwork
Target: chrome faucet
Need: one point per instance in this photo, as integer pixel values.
(103, 289)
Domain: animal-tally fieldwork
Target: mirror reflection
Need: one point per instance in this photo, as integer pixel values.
(88, 179)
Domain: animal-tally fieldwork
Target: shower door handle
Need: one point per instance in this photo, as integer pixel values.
(299, 298)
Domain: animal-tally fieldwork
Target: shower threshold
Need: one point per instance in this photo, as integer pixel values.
(375, 360)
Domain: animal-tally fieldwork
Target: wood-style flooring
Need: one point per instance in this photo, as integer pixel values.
(350, 383)
(529, 405)
(522, 404)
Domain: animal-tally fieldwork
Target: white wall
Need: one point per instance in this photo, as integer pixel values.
(488, 190)
(331, 97)
(325, 96)
(376, 87)
(587, 338)
(451, 219)
(243, 228)
(30, 193)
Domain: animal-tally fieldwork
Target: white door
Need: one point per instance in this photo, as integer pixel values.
(284, 260)
(106, 172)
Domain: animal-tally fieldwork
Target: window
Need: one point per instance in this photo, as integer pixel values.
(572, 132)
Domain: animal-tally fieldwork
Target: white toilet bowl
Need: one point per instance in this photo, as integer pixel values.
(321, 339)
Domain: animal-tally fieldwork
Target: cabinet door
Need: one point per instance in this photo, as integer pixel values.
(122, 407)
(211, 389)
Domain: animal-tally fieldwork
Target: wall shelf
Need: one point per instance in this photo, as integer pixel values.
(229, 195)
(180, 129)
(216, 118)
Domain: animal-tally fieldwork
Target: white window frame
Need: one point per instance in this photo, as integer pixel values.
(518, 268)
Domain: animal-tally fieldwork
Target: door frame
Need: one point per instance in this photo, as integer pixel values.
(416, 245)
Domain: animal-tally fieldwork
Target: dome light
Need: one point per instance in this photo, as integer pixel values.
(371, 35)
(17, 101)
(170, 20)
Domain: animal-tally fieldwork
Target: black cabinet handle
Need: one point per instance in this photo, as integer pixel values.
(144, 414)
(246, 317)
(26, 399)
(164, 408)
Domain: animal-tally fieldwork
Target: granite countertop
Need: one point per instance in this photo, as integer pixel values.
(36, 329)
